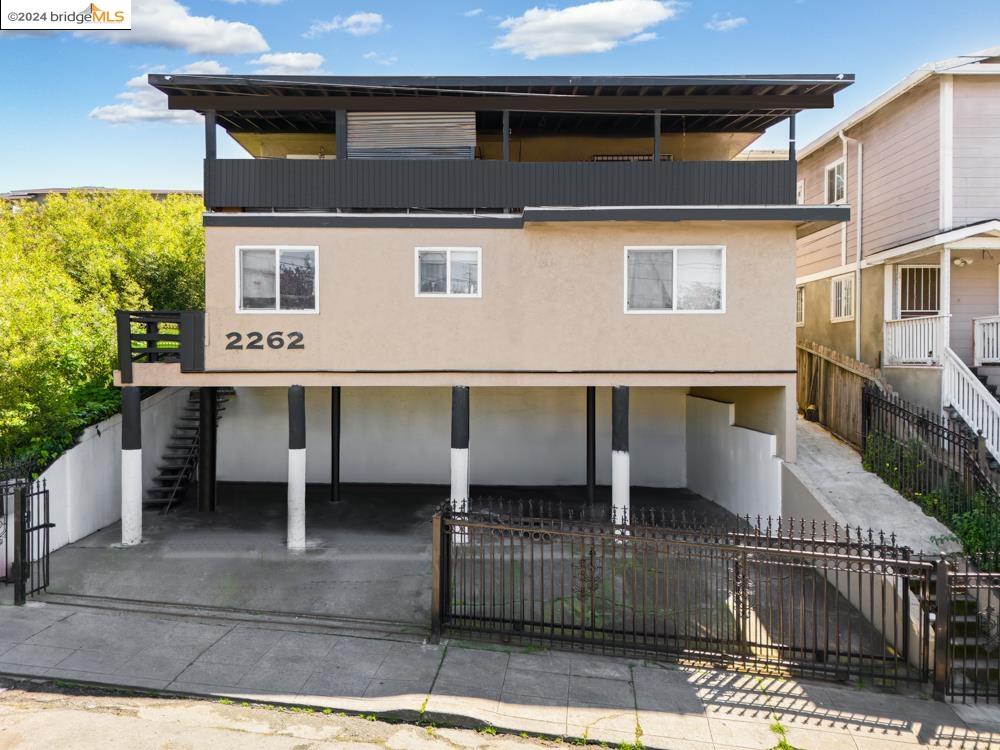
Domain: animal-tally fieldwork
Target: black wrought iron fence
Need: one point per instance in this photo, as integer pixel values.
(24, 513)
(935, 462)
(768, 596)
(970, 610)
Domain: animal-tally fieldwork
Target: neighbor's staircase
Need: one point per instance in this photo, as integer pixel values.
(178, 466)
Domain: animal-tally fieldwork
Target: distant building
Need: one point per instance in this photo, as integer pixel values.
(40, 194)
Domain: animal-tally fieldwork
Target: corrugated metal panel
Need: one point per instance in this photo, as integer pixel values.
(411, 135)
(328, 184)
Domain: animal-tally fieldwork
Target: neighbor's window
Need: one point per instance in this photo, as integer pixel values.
(918, 291)
(674, 279)
(280, 279)
(842, 298)
(836, 182)
(800, 305)
(449, 271)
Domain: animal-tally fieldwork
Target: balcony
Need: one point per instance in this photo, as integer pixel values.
(160, 337)
(330, 184)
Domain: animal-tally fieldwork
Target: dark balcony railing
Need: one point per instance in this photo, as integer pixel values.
(454, 184)
(160, 336)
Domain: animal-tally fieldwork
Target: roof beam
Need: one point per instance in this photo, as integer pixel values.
(541, 103)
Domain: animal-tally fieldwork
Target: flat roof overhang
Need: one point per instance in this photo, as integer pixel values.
(808, 219)
(619, 104)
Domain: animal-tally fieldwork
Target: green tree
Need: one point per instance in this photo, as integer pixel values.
(65, 267)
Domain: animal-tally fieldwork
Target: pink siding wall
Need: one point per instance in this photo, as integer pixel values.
(900, 180)
(977, 149)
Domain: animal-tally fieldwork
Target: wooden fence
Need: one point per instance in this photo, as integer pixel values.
(829, 386)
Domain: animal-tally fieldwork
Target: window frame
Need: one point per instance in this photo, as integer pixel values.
(800, 321)
(833, 165)
(675, 249)
(447, 250)
(834, 318)
(899, 290)
(277, 280)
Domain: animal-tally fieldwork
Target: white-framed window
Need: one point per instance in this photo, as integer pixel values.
(282, 279)
(448, 272)
(919, 293)
(800, 306)
(800, 192)
(675, 279)
(842, 298)
(836, 181)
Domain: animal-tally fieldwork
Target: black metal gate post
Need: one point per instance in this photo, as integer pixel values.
(942, 596)
(439, 576)
(20, 571)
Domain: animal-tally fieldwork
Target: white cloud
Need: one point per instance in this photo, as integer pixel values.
(358, 24)
(473, 12)
(375, 57)
(725, 23)
(140, 102)
(591, 27)
(646, 36)
(290, 63)
(167, 23)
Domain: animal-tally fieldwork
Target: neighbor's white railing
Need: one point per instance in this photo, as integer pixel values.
(964, 392)
(986, 340)
(915, 341)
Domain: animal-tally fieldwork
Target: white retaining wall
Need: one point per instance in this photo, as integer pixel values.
(519, 436)
(736, 467)
(85, 482)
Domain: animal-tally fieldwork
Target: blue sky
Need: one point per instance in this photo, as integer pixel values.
(70, 115)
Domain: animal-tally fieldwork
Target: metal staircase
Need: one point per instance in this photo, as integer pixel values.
(178, 466)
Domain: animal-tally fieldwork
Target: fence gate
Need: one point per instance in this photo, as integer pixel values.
(24, 535)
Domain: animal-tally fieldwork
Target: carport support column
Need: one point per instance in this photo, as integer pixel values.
(619, 453)
(335, 444)
(131, 466)
(459, 446)
(591, 443)
(207, 446)
(296, 467)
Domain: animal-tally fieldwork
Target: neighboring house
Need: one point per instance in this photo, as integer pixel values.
(911, 282)
(559, 246)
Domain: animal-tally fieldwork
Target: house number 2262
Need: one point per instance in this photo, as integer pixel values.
(274, 340)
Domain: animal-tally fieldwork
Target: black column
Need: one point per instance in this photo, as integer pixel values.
(591, 443)
(131, 419)
(460, 417)
(207, 448)
(656, 136)
(335, 444)
(619, 418)
(506, 135)
(341, 133)
(210, 133)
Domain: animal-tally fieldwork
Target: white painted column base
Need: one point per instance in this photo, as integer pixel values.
(297, 499)
(459, 478)
(619, 485)
(131, 497)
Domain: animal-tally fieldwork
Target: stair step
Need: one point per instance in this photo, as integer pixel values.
(165, 471)
(180, 446)
(156, 492)
(167, 481)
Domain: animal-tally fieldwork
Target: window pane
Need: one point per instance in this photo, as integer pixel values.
(699, 279)
(650, 279)
(433, 272)
(257, 283)
(464, 272)
(298, 280)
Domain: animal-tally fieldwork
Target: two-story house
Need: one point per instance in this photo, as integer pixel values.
(911, 282)
(495, 280)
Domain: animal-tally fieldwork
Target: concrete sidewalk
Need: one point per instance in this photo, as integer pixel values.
(539, 692)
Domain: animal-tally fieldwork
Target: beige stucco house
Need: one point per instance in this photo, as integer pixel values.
(490, 281)
(911, 282)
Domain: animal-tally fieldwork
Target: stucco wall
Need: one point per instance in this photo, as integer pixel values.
(552, 300)
(85, 482)
(841, 336)
(736, 467)
(519, 436)
(918, 385)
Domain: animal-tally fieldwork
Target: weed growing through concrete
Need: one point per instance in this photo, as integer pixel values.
(487, 729)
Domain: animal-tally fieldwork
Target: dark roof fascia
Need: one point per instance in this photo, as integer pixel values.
(804, 216)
